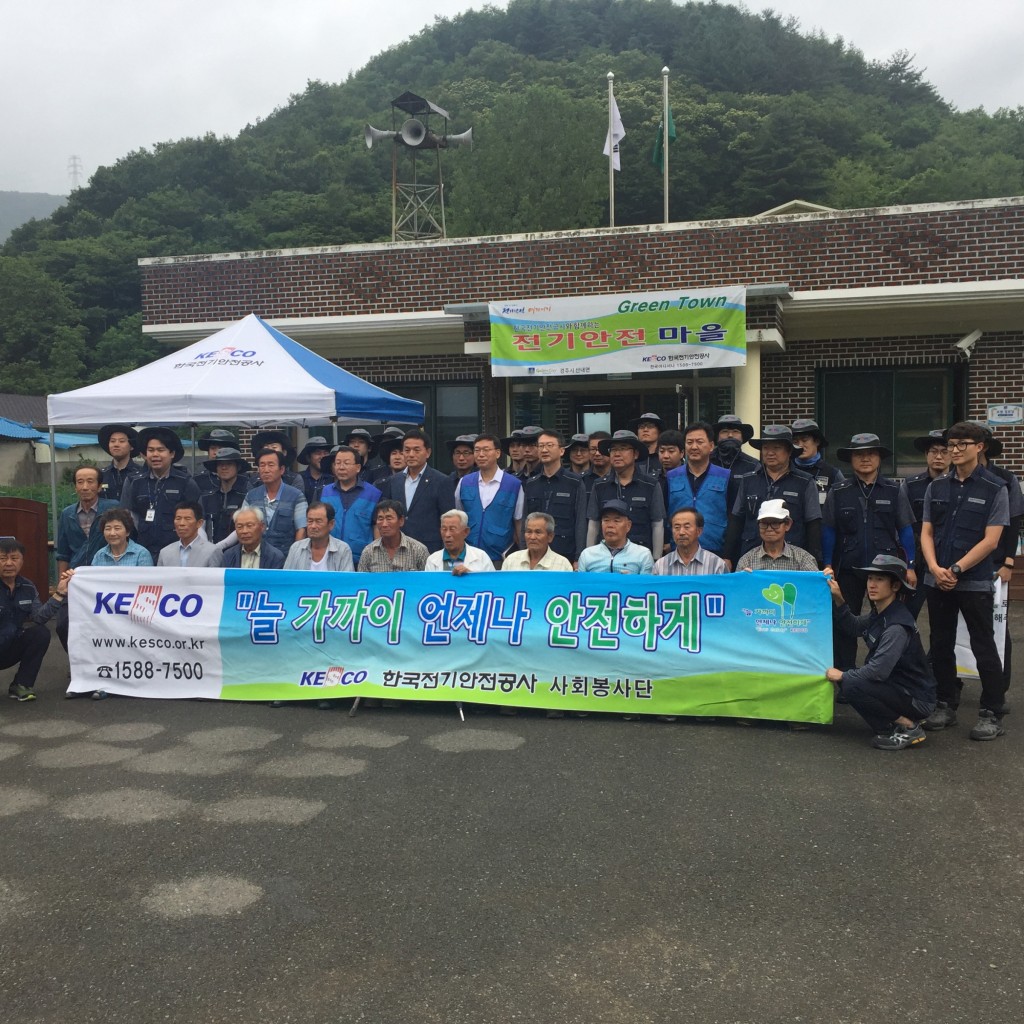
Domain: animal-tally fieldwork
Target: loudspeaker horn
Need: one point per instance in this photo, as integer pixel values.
(413, 133)
(372, 135)
(464, 139)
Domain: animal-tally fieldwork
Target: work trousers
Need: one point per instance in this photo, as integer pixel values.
(26, 650)
(879, 704)
(854, 588)
(977, 607)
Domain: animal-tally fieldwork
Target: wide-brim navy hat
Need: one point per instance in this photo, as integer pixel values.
(226, 455)
(462, 441)
(778, 433)
(166, 437)
(360, 433)
(387, 446)
(890, 565)
(929, 440)
(604, 446)
(863, 443)
(222, 438)
(809, 426)
(578, 441)
(119, 428)
(265, 437)
(647, 417)
(732, 422)
(314, 444)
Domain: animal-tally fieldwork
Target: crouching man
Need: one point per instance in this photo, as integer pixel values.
(894, 691)
(23, 636)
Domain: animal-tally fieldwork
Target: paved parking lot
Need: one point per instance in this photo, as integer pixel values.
(208, 862)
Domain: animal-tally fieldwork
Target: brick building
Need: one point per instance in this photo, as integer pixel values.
(853, 317)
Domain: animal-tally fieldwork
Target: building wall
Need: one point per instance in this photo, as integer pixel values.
(913, 245)
(931, 244)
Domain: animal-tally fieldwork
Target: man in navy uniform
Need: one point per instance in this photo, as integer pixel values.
(812, 442)
(211, 443)
(121, 443)
(153, 497)
(775, 479)
(731, 433)
(221, 504)
(560, 493)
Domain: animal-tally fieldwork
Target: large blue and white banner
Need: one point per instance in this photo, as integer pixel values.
(752, 645)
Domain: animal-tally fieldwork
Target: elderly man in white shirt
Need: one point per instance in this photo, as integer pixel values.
(539, 532)
(457, 557)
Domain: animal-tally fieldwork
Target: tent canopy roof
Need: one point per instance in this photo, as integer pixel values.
(249, 373)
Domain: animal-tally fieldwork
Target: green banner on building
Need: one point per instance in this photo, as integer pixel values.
(641, 332)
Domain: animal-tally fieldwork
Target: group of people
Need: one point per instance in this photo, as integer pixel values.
(589, 503)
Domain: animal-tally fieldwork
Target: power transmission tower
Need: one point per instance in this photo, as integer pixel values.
(74, 171)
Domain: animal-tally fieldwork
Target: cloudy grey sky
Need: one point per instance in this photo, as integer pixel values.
(99, 80)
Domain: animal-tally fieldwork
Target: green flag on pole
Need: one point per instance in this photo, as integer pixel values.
(657, 155)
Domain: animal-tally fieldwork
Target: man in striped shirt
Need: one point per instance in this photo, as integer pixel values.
(689, 558)
(773, 552)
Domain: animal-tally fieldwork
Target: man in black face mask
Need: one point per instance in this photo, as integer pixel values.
(731, 433)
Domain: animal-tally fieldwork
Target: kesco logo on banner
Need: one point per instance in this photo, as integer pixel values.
(146, 602)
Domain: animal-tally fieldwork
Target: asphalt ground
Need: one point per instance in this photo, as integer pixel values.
(212, 862)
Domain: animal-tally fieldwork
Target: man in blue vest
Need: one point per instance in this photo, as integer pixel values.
(493, 500)
(283, 506)
(425, 493)
(700, 485)
(964, 516)
(864, 516)
(352, 499)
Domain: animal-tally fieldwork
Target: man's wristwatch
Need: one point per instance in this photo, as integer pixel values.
(955, 569)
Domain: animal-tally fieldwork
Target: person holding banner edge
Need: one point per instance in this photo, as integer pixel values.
(894, 690)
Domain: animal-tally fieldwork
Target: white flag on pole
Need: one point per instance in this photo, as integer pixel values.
(615, 136)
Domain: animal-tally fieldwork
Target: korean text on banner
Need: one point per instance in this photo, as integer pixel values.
(640, 332)
(751, 645)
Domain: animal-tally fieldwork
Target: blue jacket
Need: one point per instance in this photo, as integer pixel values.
(712, 501)
(490, 528)
(73, 546)
(270, 557)
(353, 525)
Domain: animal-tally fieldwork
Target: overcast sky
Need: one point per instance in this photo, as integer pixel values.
(97, 81)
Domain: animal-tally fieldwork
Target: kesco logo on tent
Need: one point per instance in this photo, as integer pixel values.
(146, 602)
(229, 355)
(227, 352)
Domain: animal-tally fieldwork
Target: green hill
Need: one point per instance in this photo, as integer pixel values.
(764, 114)
(18, 207)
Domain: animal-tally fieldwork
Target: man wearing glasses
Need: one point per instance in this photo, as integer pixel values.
(560, 493)
(492, 500)
(773, 523)
(963, 520)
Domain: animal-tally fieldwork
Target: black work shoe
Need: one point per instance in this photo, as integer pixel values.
(941, 718)
(901, 738)
(988, 727)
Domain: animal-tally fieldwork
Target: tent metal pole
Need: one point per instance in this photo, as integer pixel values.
(53, 492)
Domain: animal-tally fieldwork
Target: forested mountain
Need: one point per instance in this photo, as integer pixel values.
(764, 114)
(18, 207)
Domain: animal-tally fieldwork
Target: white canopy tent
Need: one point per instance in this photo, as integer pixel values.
(249, 373)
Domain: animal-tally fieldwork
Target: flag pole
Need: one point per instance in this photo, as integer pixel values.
(664, 137)
(611, 150)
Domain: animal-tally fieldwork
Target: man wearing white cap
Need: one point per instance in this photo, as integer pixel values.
(773, 523)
